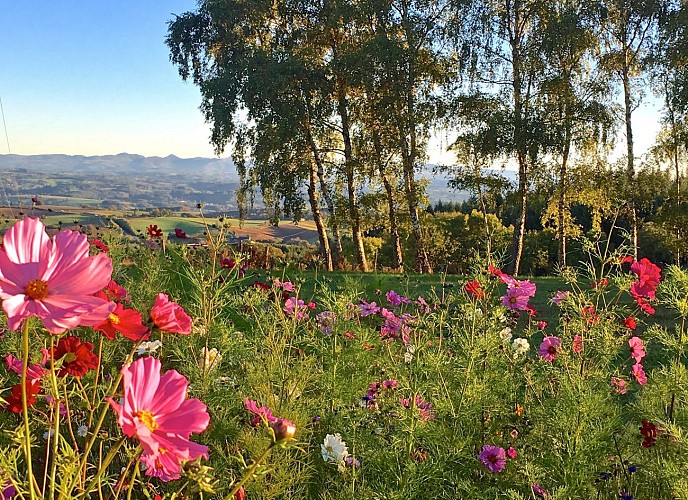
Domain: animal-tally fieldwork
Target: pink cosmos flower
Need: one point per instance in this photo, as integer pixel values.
(511, 452)
(262, 413)
(493, 458)
(296, 308)
(33, 371)
(156, 411)
(395, 299)
(423, 407)
(619, 385)
(52, 280)
(526, 287)
(549, 348)
(560, 297)
(637, 348)
(170, 316)
(516, 299)
(639, 374)
(541, 325)
(501, 275)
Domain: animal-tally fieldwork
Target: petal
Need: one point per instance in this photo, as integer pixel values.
(82, 277)
(170, 394)
(16, 309)
(190, 417)
(143, 383)
(27, 241)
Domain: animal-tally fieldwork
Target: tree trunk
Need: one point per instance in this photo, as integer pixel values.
(338, 256)
(349, 168)
(520, 226)
(397, 254)
(327, 194)
(520, 146)
(314, 200)
(563, 187)
(483, 208)
(630, 169)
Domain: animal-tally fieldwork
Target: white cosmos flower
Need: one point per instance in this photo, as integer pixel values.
(521, 346)
(334, 449)
(209, 359)
(147, 348)
(505, 334)
(82, 430)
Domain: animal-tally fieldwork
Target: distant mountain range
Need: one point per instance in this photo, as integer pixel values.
(123, 164)
(135, 181)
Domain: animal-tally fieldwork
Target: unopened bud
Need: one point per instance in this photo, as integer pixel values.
(284, 429)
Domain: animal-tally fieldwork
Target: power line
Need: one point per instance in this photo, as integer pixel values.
(4, 125)
(7, 138)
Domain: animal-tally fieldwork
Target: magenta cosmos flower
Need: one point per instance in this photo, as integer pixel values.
(156, 411)
(170, 316)
(53, 280)
(637, 348)
(493, 458)
(549, 348)
(516, 298)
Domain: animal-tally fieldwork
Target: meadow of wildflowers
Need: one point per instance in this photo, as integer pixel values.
(162, 371)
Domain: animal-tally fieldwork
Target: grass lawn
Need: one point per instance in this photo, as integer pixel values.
(430, 286)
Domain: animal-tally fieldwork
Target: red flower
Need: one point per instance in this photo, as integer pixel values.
(577, 345)
(179, 233)
(588, 313)
(128, 322)
(261, 286)
(630, 323)
(77, 357)
(100, 245)
(501, 275)
(648, 279)
(645, 305)
(227, 263)
(600, 283)
(169, 316)
(625, 259)
(474, 289)
(113, 291)
(154, 231)
(240, 494)
(650, 433)
(14, 400)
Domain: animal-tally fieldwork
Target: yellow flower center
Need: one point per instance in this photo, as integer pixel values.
(37, 289)
(68, 358)
(114, 319)
(147, 418)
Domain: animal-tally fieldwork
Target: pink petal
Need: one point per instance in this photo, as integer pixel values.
(171, 393)
(190, 417)
(27, 241)
(83, 277)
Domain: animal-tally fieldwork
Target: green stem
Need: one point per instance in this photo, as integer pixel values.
(99, 424)
(110, 456)
(250, 472)
(56, 413)
(25, 412)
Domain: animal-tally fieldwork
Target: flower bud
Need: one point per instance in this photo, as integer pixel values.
(284, 429)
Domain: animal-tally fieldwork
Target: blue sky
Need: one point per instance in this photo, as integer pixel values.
(94, 77)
